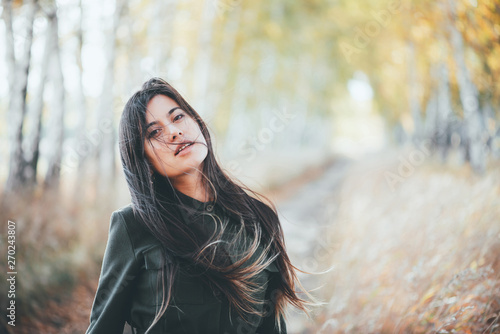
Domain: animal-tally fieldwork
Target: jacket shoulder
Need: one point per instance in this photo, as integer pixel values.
(126, 211)
(139, 234)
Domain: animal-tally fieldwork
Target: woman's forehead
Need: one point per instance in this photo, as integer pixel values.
(159, 107)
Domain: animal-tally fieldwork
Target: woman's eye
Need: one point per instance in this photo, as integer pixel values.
(178, 117)
(154, 133)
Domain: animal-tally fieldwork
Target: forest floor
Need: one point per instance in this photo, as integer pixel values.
(420, 255)
(415, 251)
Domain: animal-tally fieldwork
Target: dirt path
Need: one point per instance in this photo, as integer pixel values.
(304, 216)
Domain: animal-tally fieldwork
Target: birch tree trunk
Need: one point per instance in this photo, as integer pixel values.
(10, 56)
(469, 97)
(414, 94)
(37, 105)
(18, 83)
(104, 119)
(444, 112)
(58, 109)
(83, 152)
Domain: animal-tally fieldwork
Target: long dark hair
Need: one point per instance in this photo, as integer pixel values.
(155, 204)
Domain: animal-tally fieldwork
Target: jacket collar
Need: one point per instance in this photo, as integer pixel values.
(194, 203)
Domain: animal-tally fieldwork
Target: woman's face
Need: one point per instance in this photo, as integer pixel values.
(168, 130)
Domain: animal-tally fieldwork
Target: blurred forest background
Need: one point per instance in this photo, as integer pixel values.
(406, 90)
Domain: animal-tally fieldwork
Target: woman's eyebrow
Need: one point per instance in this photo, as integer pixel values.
(168, 114)
(150, 124)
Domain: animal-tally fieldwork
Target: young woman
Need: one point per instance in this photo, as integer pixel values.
(193, 252)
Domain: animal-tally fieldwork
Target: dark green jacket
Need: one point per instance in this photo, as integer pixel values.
(130, 290)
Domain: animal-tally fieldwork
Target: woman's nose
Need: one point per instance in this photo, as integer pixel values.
(174, 133)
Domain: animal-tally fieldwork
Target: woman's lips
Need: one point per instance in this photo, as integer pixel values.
(186, 150)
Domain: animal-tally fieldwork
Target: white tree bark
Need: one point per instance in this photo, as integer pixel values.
(19, 68)
(38, 103)
(10, 56)
(444, 110)
(413, 93)
(469, 96)
(58, 108)
(81, 100)
(105, 118)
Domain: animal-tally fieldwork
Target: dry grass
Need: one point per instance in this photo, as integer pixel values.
(60, 240)
(421, 258)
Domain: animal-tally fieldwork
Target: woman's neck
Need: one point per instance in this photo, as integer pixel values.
(191, 185)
